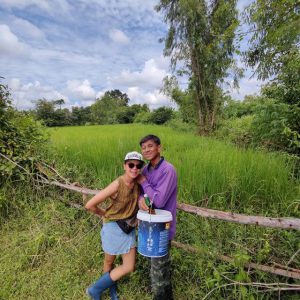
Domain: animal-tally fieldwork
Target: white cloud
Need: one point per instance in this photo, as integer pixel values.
(82, 90)
(27, 29)
(154, 98)
(10, 44)
(151, 76)
(100, 94)
(24, 94)
(45, 5)
(118, 36)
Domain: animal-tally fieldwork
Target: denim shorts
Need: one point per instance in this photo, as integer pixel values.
(115, 241)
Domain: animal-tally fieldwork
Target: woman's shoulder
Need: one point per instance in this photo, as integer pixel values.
(114, 186)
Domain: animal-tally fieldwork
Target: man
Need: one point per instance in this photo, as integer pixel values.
(159, 181)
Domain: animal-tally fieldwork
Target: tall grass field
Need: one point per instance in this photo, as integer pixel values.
(52, 250)
(243, 180)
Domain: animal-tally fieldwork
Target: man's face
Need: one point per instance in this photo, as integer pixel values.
(150, 150)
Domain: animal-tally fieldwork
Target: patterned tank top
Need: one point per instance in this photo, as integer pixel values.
(125, 204)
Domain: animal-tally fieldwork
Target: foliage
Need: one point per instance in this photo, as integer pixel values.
(276, 126)
(237, 109)
(286, 86)
(178, 124)
(80, 115)
(20, 137)
(161, 115)
(127, 114)
(121, 98)
(275, 35)
(275, 115)
(237, 130)
(183, 99)
(113, 108)
(143, 117)
(201, 36)
(46, 112)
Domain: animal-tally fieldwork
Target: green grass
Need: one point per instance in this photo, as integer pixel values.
(222, 175)
(52, 251)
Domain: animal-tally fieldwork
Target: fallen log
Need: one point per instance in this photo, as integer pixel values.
(285, 223)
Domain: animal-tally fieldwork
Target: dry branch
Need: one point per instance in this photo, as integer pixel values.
(286, 223)
(75, 188)
(269, 269)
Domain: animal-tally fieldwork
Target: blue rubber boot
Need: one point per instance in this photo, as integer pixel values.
(113, 292)
(95, 291)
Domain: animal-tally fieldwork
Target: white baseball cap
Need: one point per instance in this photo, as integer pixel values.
(134, 155)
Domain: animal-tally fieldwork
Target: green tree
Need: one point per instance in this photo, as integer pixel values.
(183, 99)
(127, 114)
(274, 51)
(121, 98)
(275, 25)
(59, 102)
(105, 110)
(81, 115)
(161, 115)
(201, 36)
(45, 111)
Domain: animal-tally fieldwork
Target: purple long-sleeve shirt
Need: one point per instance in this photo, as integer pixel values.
(161, 187)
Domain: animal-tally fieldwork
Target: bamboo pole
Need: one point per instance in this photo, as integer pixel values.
(285, 223)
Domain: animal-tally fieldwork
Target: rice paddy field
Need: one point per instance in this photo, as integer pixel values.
(52, 250)
(209, 170)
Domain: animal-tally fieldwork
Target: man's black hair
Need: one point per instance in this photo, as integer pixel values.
(149, 137)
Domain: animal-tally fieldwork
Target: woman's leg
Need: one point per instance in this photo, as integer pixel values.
(108, 262)
(107, 267)
(126, 267)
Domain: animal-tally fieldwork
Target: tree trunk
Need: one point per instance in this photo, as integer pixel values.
(205, 114)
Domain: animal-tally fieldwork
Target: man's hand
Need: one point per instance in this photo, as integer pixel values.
(140, 179)
(142, 204)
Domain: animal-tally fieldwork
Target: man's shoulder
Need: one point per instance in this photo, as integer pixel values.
(168, 166)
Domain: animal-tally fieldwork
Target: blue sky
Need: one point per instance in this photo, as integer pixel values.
(77, 50)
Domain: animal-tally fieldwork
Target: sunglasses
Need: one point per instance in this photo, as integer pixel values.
(132, 165)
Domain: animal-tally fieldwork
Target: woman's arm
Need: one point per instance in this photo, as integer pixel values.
(92, 204)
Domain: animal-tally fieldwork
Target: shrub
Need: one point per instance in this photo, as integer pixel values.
(177, 124)
(276, 126)
(143, 117)
(237, 130)
(20, 137)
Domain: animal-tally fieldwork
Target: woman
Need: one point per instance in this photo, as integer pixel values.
(117, 234)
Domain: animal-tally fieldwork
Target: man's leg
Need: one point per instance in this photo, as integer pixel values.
(161, 278)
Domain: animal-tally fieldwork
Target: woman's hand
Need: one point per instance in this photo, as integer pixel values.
(100, 212)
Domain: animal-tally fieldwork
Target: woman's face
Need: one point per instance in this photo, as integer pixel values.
(133, 167)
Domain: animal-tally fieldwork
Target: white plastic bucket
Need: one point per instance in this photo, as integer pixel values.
(153, 233)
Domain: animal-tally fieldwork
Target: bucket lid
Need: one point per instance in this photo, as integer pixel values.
(161, 216)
